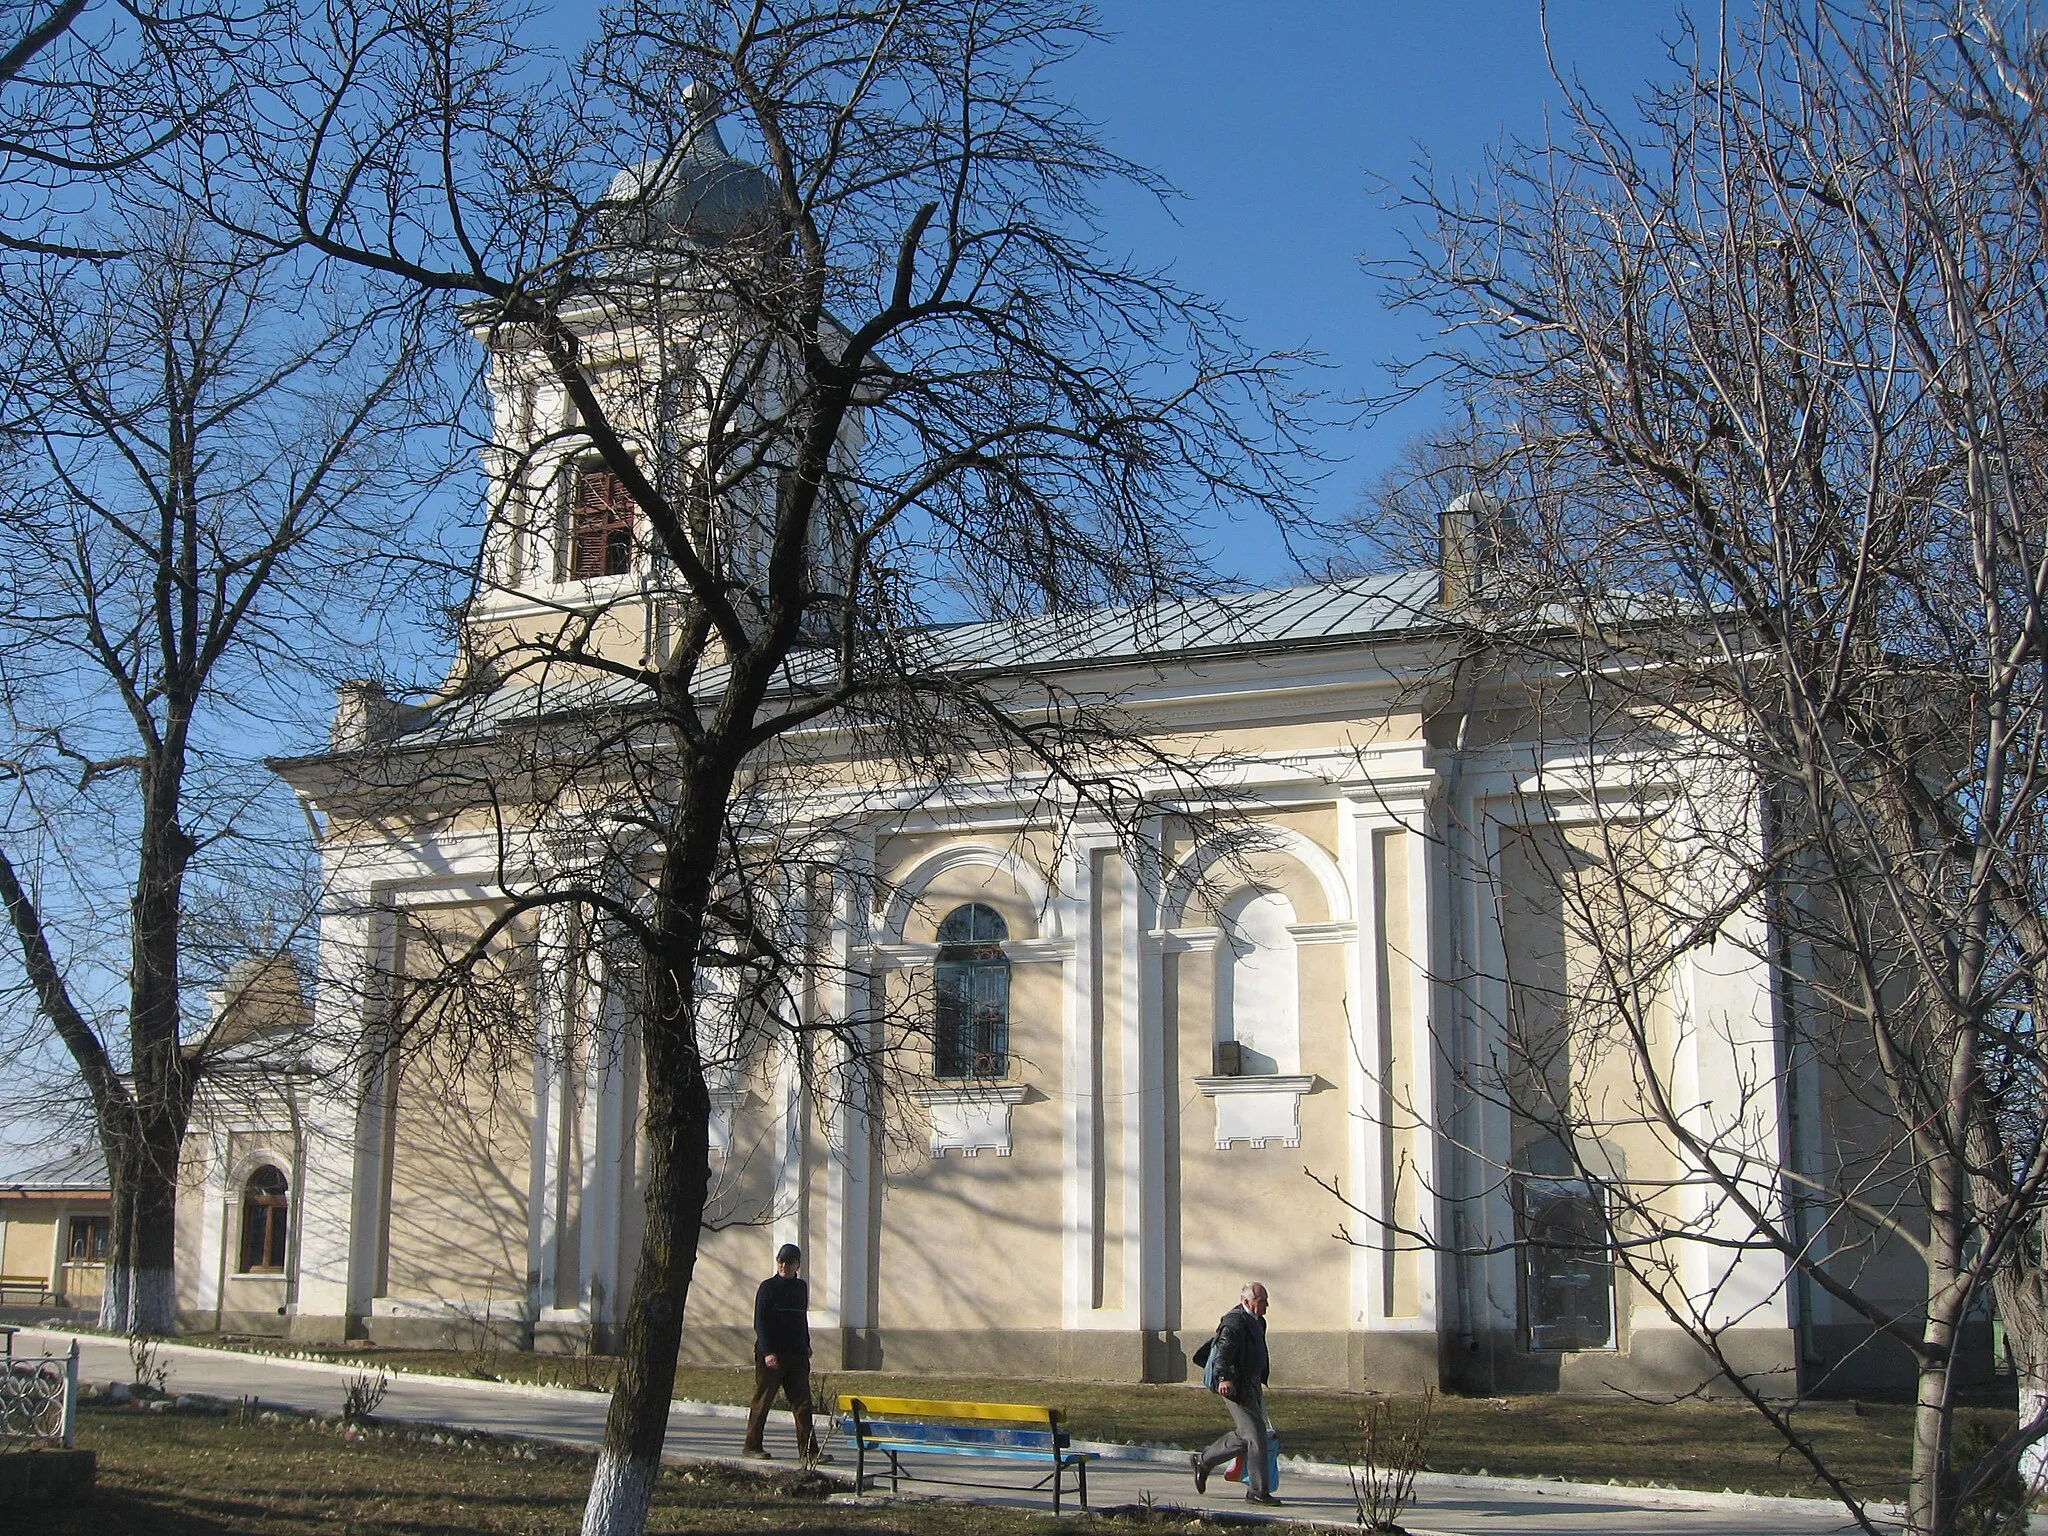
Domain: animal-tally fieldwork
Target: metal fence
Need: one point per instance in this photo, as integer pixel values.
(38, 1395)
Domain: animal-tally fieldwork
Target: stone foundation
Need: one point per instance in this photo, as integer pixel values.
(1657, 1361)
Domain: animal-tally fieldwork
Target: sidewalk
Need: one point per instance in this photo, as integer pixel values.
(1444, 1506)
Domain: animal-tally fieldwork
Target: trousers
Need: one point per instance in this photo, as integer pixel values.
(790, 1375)
(1247, 1436)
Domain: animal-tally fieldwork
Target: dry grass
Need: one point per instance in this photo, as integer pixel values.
(180, 1474)
(1707, 1445)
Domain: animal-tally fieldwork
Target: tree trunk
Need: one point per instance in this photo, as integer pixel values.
(2022, 1292)
(140, 1294)
(114, 1284)
(1930, 1490)
(678, 1121)
(678, 1179)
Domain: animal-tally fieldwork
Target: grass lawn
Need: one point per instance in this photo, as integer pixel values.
(1690, 1444)
(180, 1474)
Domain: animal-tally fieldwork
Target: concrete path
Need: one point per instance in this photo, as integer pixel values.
(1445, 1506)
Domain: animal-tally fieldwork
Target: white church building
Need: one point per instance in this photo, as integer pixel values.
(1166, 1059)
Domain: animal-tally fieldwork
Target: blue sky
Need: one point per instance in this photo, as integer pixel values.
(1268, 115)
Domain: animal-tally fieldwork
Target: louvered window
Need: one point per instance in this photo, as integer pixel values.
(600, 526)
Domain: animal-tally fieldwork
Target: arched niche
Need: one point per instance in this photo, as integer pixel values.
(1258, 985)
(1267, 858)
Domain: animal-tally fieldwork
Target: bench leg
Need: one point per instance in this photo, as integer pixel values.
(1081, 1473)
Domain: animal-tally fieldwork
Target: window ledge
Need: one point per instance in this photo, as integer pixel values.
(1257, 1109)
(971, 1116)
(1258, 1082)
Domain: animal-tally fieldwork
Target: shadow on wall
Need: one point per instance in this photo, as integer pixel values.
(457, 1209)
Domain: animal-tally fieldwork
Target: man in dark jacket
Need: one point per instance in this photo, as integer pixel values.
(1241, 1369)
(782, 1355)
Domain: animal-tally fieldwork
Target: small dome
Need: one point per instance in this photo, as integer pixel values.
(699, 191)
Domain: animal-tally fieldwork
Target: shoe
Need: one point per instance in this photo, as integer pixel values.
(1262, 1498)
(1201, 1474)
(820, 1459)
(755, 1453)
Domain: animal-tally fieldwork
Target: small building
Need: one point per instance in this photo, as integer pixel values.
(241, 1166)
(55, 1227)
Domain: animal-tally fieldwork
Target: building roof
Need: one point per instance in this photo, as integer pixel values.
(1324, 615)
(698, 191)
(39, 1169)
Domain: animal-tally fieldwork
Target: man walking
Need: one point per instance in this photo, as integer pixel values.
(1240, 1368)
(782, 1355)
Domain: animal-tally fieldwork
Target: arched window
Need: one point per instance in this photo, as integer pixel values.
(1258, 1012)
(971, 1035)
(265, 1212)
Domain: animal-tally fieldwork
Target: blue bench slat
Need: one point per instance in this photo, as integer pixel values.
(958, 1434)
(1007, 1453)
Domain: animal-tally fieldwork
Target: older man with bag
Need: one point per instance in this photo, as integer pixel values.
(1238, 1368)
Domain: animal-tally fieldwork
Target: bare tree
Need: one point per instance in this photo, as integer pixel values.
(1760, 398)
(91, 90)
(882, 377)
(208, 464)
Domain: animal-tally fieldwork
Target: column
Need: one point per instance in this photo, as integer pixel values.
(847, 1291)
(1148, 1076)
(1074, 906)
(340, 1202)
(601, 1132)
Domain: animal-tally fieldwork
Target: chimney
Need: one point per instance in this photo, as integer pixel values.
(1469, 549)
(363, 714)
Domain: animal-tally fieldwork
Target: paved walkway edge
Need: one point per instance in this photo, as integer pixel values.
(1425, 1482)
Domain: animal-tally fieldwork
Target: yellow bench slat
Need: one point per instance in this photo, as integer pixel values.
(931, 1408)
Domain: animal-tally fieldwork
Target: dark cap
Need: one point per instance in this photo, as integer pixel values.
(789, 1253)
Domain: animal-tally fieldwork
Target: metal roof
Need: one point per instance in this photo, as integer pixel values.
(1326, 614)
(74, 1167)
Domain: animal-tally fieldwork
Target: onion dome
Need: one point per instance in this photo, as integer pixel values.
(698, 192)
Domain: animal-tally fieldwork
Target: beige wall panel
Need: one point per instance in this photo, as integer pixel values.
(1568, 929)
(974, 1243)
(738, 1250)
(31, 1239)
(458, 1186)
(1349, 725)
(1252, 1213)
(460, 1125)
(193, 1261)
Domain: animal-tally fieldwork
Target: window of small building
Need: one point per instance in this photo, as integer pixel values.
(600, 526)
(92, 1238)
(265, 1214)
(1567, 1263)
(971, 1033)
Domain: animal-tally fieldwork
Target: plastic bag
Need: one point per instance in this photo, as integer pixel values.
(1235, 1472)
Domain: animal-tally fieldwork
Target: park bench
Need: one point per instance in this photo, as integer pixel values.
(915, 1426)
(35, 1285)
